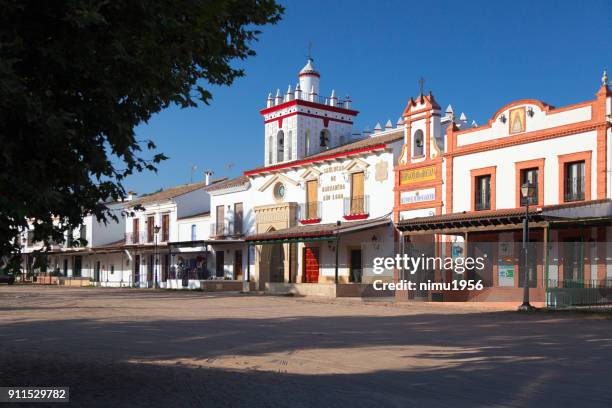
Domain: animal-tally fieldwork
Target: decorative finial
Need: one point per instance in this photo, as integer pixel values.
(604, 78)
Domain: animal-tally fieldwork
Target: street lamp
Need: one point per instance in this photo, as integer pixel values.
(527, 191)
(156, 229)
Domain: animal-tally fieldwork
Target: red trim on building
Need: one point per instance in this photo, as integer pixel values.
(311, 115)
(315, 159)
(311, 221)
(267, 238)
(310, 74)
(354, 217)
(309, 104)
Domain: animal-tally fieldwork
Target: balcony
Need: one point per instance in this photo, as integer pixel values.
(228, 229)
(310, 213)
(132, 238)
(574, 189)
(356, 208)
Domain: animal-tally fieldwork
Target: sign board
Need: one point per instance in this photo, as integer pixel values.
(505, 274)
(419, 175)
(417, 196)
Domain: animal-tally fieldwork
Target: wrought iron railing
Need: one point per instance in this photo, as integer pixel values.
(227, 229)
(310, 211)
(358, 205)
(141, 237)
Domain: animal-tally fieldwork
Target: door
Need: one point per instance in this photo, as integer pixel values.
(238, 213)
(97, 272)
(238, 264)
(311, 264)
(136, 268)
(220, 255)
(150, 229)
(356, 267)
(135, 231)
(357, 198)
(312, 197)
(150, 269)
(66, 267)
(76, 270)
(573, 268)
(165, 267)
(220, 221)
(165, 227)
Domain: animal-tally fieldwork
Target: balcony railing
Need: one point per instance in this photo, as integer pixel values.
(574, 189)
(356, 207)
(227, 229)
(142, 238)
(309, 212)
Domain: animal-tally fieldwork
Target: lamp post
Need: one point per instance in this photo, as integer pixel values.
(156, 229)
(527, 190)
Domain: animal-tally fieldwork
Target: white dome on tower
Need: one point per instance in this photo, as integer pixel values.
(309, 80)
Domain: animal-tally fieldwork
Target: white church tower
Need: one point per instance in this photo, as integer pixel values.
(300, 122)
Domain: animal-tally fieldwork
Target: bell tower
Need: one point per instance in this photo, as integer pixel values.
(300, 122)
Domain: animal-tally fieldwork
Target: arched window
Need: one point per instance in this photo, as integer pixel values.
(193, 232)
(270, 158)
(419, 149)
(342, 140)
(307, 143)
(280, 146)
(290, 146)
(324, 139)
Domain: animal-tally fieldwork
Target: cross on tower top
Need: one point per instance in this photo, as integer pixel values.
(309, 56)
(422, 84)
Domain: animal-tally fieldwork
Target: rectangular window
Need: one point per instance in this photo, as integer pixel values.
(357, 194)
(150, 230)
(193, 232)
(220, 221)
(165, 227)
(530, 176)
(574, 181)
(238, 213)
(135, 230)
(482, 199)
(312, 198)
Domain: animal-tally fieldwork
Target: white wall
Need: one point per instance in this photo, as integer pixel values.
(505, 158)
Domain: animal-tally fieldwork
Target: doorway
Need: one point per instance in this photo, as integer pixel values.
(355, 266)
(97, 272)
(311, 264)
(277, 263)
(238, 264)
(220, 264)
(150, 269)
(137, 269)
(77, 266)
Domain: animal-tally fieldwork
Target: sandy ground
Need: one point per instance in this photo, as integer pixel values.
(144, 348)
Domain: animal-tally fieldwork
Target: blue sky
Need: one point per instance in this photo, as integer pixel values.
(477, 56)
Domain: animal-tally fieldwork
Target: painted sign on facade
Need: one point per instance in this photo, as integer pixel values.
(413, 176)
(417, 196)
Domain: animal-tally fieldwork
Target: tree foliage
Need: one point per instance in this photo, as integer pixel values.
(77, 76)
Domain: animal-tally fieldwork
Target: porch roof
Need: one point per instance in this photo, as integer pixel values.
(315, 232)
(507, 217)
